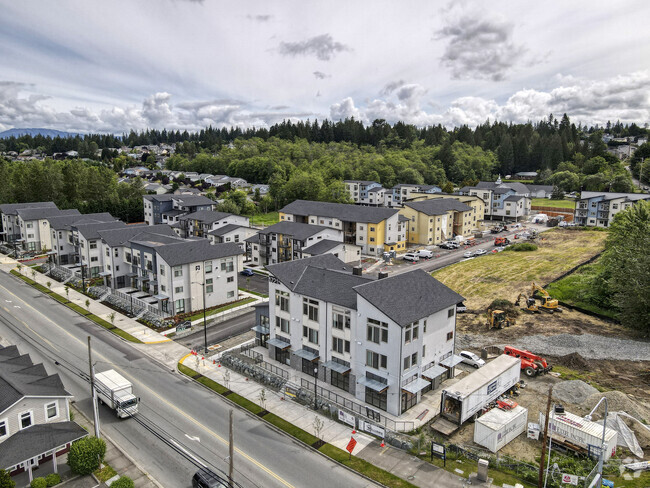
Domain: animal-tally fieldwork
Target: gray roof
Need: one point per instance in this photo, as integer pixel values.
(297, 230)
(159, 198)
(330, 285)
(192, 200)
(485, 185)
(11, 208)
(408, 297)
(225, 229)
(514, 198)
(375, 189)
(502, 191)
(547, 188)
(38, 439)
(119, 237)
(516, 186)
(207, 216)
(342, 211)
(322, 246)
(66, 221)
(20, 377)
(192, 251)
(361, 182)
(290, 271)
(44, 212)
(438, 206)
(610, 195)
(403, 218)
(152, 239)
(91, 231)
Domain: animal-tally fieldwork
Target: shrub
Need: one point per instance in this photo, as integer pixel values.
(38, 483)
(123, 482)
(523, 246)
(5, 480)
(52, 479)
(86, 455)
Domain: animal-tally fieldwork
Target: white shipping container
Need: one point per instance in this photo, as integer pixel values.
(583, 433)
(498, 427)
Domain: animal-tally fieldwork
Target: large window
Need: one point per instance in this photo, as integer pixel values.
(209, 287)
(341, 381)
(178, 271)
(377, 331)
(376, 360)
(283, 324)
(180, 306)
(410, 361)
(282, 300)
(51, 410)
(25, 420)
(340, 345)
(208, 267)
(227, 265)
(408, 400)
(340, 318)
(376, 399)
(310, 334)
(411, 332)
(310, 308)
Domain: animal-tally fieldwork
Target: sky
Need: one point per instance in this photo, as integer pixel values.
(98, 66)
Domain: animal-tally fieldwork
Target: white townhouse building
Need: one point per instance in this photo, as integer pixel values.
(35, 227)
(61, 238)
(166, 209)
(385, 341)
(201, 223)
(10, 222)
(598, 209)
(87, 242)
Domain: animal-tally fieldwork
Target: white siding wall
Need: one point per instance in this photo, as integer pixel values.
(37, 407)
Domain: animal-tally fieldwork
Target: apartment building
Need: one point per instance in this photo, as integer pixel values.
(202, 222)
(88, 249)
(436, 220)
(374, 339)
(35, 425)
(374, 229)
(62, 239)
(474, 202)
(359, 190)
(285, 241)
(396, 196)
(347, 253)
(231, 233)
(598, 209)
(502, 202)
(35, 227)
(167, 209)
(9, 218)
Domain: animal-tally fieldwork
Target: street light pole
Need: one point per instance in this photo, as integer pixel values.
(601, 458)
(205, 324)
(316, 386)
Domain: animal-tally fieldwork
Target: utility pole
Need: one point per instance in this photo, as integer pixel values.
(231, 451)
(540, 479)
(93, 393)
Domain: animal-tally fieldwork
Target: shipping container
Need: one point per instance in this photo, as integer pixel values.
(579, 434)
(467, 397)
(498, 427)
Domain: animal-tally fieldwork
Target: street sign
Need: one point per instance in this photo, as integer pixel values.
(351, 445)
(570, 479)
(439, 451)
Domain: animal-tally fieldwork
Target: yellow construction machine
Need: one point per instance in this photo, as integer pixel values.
(497, 319)
(530, 305)
(547, 304)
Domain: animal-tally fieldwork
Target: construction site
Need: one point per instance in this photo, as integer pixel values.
(583, 357)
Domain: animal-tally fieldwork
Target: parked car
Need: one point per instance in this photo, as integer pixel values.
(471, 359)
(468, 254)
(480, 252)
(424, 254)
(246, 272)
(204, 478)
(411, 256)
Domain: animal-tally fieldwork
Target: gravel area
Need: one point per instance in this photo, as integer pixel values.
(589, 346)
(573, 391)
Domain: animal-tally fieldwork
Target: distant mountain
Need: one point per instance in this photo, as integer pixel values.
(34, 132)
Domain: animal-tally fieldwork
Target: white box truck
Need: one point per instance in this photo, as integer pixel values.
(467, 397)
(116, 391)
(498, 427)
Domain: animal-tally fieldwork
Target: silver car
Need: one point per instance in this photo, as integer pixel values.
(471, 359)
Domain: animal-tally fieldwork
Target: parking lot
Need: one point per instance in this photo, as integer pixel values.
(257, 283)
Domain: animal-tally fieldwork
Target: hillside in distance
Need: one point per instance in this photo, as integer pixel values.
(35, 132)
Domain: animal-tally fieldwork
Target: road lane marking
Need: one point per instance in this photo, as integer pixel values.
(161, 399)
(186, 452)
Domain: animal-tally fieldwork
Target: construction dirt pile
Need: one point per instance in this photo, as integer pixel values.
(573, 391)
(573, 361)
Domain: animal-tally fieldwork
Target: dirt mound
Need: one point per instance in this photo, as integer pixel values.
(617, 401)
(573, 361)
(574, 391)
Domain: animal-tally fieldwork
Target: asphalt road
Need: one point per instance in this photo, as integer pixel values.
(256, 283)
(183, 411)
(220, 332)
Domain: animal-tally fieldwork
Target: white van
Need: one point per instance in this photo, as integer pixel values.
(411, 256)
(424, 254)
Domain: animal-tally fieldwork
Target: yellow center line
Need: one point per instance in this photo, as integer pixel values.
(188, 417)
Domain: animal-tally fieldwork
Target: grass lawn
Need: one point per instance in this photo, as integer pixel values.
(545, 202)
(575, 289)
(269, 218)
(506, 274)
(199, 315)
(253, 292)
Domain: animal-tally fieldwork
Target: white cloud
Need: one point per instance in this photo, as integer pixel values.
(323, 47)
(344, 110)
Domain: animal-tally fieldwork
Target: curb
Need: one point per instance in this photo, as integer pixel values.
(275, 428)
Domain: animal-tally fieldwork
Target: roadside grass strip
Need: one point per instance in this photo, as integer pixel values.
(339, 455)
(80, 310)
(209, 313)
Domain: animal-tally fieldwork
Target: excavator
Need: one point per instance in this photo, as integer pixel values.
(547, 304)
(530, 305)
(497, 319)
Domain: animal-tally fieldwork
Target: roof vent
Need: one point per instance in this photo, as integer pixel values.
(357, 270)
(382, 274)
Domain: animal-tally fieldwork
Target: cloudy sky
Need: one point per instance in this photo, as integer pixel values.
(111, 66)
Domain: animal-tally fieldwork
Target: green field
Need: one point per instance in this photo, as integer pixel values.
(545, 202)
(266, 219)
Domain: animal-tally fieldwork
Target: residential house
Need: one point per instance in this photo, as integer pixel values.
(10, 224)
(598, 209)
(285, 241)
(374, 229)
(263, 189)
(382, 341)
(200, 223)
(434, 221)
(35, 425)
(62, 238)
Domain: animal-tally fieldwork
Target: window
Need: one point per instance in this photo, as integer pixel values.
(341, 381)
(230, 294)
(450, 312)
(407, 362)
(25, 420)
(372, 229)
(178, 289)
(163, 288)
(375, 360)
(310, 334)
(51, 410)
(340, 345)
(411, 332)
(178, 271)
(282, 300)
(127, 256)
(283, 324)
(424, 350)
(414, 359)
(227, 265)
(162, 270)
(108, 253)
(340, 319)
(230, 279)
(450, 335)
(180, 305)
(209, 288)
(377, 331)
(372, 239)
(310, 309)
(376, 399)
(94, 259)
(4, 429)
(208, 267)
